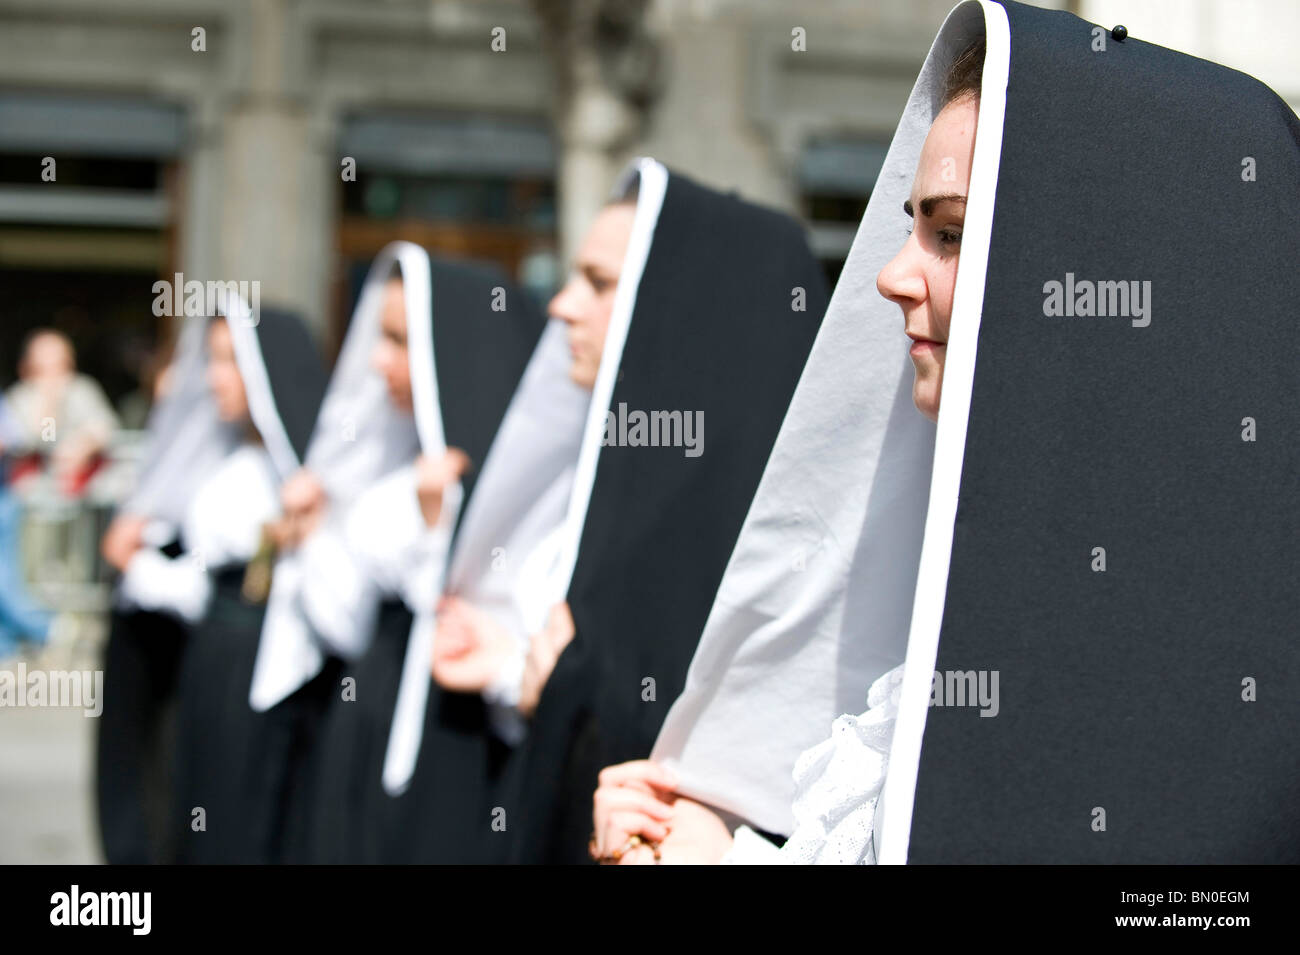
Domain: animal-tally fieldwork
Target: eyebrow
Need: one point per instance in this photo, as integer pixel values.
(594, 270)
(929, 202)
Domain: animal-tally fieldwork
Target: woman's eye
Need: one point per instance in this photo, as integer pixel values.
(950, 238)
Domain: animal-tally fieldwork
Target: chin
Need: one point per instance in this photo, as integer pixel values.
(581, 377)
(926, 398)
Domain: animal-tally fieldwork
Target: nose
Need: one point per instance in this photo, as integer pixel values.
(566, 305)
(901, 280)
(379, 357)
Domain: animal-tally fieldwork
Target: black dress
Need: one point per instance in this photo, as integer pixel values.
(453, 810)
(136, 741)
(243, 768)
(349, 807)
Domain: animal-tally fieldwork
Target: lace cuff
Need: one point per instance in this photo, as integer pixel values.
(838, 782)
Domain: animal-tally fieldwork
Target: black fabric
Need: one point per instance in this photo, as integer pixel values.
(713, 330)
(480, 354)
(298, 377)
(136, 736)
(450, 812)
(1123, 690)
(238, 765)
(243, 768)
(223, 745)
(348, 805)
(301, 720)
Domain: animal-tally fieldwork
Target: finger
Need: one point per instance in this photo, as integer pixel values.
(639, 770)
(448, 646)
(455, 463)
(451, 605)
(638, 824)
(438, 474)
(623, 798)
(559, 629)
(614, 831)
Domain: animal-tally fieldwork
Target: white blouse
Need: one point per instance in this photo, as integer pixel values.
(380, 546)
(223, 525)
(531, 604)
(837, 784)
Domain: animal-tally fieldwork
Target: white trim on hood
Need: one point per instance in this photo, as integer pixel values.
(894, 824)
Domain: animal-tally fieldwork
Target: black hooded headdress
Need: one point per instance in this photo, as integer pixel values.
(470, 331)
(459, 389)
(726, 308)
(1124, 548)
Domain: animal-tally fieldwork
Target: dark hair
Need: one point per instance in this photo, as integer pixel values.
(965, 74)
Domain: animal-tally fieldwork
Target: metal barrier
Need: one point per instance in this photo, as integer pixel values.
(59, 545)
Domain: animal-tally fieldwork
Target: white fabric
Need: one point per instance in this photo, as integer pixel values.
(359, 437)
(380, 547)
(223, 526)
(749, 848)
(837, 784)
(257, 386)
(816, 601)
(186, 440)
(517, 547)
(502, 696)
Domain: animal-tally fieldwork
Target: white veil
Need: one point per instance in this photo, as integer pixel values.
(359, 437)
(817, 599)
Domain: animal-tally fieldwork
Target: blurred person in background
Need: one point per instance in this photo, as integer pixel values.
(426, 371)
(61, 414)
(182, 542)
(686, 304)
(21, 617)
(184, 441)
(266, 380)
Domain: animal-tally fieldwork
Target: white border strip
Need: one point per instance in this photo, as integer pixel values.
(950, 447)
(417, 285)
(650, 199)
(257, 385)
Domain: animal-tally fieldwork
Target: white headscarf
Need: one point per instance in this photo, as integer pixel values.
(817, 600)
(359, 437)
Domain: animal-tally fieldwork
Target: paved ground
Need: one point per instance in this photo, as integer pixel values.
(46, 758)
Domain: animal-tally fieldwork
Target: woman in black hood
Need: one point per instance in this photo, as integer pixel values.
(1093, 581)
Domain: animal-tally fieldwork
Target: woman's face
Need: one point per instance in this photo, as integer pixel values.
(390, 356)
(921, 278)
(587, 299)
(223, 374)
